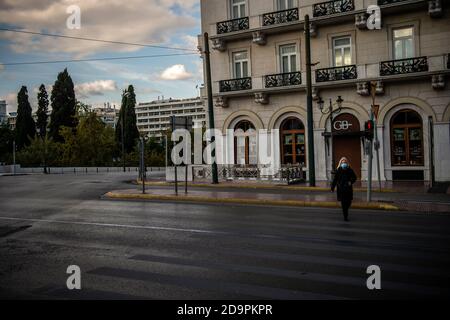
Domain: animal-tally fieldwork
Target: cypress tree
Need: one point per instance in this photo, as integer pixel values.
(42, 116)
(63, 105)
(25, 126)
(127, 118)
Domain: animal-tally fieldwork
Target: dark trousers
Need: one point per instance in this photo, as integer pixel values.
(346, 204)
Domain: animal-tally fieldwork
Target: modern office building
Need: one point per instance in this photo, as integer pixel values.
(259, 81)
(12, 118)
(153, 118)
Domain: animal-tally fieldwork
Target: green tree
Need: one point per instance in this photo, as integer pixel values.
(25, 126)
(40, 152)
(63, 105)
(6, 143)
(127, 119)
(42, 112)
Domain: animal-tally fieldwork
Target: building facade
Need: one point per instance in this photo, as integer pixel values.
(153, 118)
(3, 114)
(108, 114)
(259, 81)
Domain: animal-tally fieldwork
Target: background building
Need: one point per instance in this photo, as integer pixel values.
(108, 114)
(3, 114)
(12, 118)
(153, 118)
(258, 73)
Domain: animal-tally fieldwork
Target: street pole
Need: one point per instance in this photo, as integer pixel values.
(309, 105)
(377, 142)
(215, 178)
(14, 157)
(123, 145)
(143, 173)
(369, 171)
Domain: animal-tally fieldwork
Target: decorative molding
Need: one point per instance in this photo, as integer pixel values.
(435, 8)
(362, 88)
(261, 98)
(361, 20)
(438, 81)
(221, 102)
(315, 94)
(380, 88)
(219, 45)
(259, 38)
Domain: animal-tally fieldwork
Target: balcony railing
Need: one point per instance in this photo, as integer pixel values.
(279, 17)
(383, 2)
(233, 25)
(235, 84)
(336, 73)
(402, 66)
(332, 7)
(283, 79)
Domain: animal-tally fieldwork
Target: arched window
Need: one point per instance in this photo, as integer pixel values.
(245, 143)
(407, 139)
(293, 148)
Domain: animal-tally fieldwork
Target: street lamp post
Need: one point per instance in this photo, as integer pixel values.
(124, 114)
(14, 157)
(331, 112)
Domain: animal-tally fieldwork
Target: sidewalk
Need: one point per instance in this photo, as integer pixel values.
(296, 196)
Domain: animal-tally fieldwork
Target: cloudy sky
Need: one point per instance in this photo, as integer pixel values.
(167, 23)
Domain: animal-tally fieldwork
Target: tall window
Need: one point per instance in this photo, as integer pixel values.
(293, 142)
(403, 43)
(240, 64)
(238, 9)
(342, 51)
(285, 4)
(407, 139)
(245, 143)
(288, 56)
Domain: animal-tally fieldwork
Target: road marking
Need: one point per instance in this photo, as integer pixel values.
(111, 225)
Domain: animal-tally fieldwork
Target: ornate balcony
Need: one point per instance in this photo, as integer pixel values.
(235, 85)
(332, 7)
(383, 2)
(403, 66)
(336, 73)
(283, 80)
(279, 17)
(233, 25)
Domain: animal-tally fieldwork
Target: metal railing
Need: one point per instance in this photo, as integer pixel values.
(233, 25)
(332, 7)
(279, 17)
(336, 73)
(235, 84)
(383, 2)
(403, 66)
(283, 79)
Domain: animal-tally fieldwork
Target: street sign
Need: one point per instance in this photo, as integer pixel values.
(181, 123)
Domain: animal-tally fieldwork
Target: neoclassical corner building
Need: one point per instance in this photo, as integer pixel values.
(259, 81)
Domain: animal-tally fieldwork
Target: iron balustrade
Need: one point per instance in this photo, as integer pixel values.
(235, 84)
(279, 17)
(336, 73)
(333, 7)
(233, 25)
(283, 79)
(403, 66)
(383, 2)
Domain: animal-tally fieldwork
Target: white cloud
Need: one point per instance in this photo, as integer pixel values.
(176, 72)
(136, 21)
(11, 101)
(95, 88)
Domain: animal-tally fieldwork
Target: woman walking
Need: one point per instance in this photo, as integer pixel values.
(344, 179)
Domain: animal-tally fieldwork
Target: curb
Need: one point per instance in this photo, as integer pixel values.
(282, 203)
(255, 187)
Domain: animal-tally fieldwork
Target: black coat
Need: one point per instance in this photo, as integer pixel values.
(344, 180)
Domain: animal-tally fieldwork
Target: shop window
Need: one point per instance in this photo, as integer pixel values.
(293, 142)
(407, 139)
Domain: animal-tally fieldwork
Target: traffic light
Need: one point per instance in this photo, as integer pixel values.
(369, 128)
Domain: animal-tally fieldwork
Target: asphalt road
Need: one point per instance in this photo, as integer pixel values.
(150, 250)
